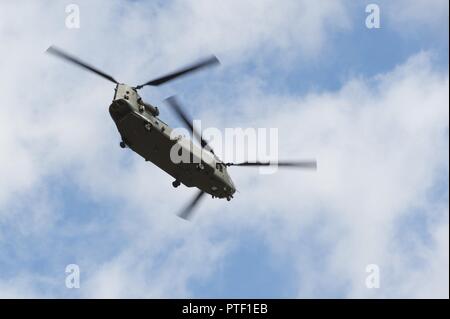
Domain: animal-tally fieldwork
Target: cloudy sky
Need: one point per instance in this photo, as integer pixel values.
(371, 105)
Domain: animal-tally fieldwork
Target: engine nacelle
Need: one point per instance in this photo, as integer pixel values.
(147, 107)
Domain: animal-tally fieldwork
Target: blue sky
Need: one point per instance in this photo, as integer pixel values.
(370, 105)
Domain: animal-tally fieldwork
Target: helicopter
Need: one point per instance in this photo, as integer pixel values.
(143, 132)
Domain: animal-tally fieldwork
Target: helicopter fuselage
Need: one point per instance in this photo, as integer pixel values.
(147, 135)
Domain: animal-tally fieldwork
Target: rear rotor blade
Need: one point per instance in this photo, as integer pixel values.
(59, 53)
(188, 122)
(292, 164)
(210, 61)
(186, 213)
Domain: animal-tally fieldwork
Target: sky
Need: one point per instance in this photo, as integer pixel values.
(371, 105)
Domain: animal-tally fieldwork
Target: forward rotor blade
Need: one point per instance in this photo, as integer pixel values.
(188, 122)
(292, 164)
(59, 53)
(186, 213)
(210, 61)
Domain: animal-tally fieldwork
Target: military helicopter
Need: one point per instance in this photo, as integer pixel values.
(142, 131)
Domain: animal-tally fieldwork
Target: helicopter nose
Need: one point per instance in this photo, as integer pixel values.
(119, 109)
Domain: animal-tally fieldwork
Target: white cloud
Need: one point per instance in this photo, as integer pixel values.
(381, 145)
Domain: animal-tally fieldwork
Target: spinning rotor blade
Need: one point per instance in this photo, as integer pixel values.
(55, 51)
(187, 121)
(292, 164)
(187, 211)
(212, 60)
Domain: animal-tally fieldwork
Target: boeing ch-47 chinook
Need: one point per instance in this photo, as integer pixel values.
(143, 132)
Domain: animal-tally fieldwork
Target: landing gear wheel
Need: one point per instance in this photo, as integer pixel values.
(228, 198)
(176, 184)
(122, 144)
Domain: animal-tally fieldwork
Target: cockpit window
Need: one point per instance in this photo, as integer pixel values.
(219, 167)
